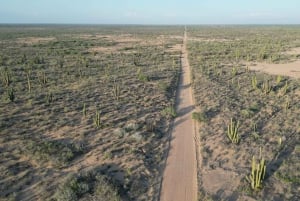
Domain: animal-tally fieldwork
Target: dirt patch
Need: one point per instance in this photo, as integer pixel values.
(122, 38)
(293, 51)
(92, 36)
(175, 48)
(198, 39)
(176, 37)
(289, 69)
(103, 49)
(219, 181)
(35, 40)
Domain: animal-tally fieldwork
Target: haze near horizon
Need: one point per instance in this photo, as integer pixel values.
(150, 12)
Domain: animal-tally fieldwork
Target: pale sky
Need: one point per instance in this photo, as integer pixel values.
(150, 11)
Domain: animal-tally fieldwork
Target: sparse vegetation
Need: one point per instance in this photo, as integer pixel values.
(53, 76)
(260, 101)
(129, 75)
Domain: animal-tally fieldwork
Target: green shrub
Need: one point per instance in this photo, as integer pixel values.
(104, 191)
(142, 77)
(55, 151)
(169, 112)
(199, 116)
(86, 186)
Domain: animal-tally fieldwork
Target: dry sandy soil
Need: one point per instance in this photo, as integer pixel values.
(35, 40)
(293, 51)
(288, 69)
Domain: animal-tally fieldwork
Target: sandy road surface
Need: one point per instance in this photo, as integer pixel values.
(180, 174)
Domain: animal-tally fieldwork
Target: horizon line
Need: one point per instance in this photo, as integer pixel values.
(150, 24)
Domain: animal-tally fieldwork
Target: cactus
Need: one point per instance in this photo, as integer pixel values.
(284, 89)
(6, 77)
(61, 62)
(278, 79)
(247, 69)
(266, 87)
(84, 110)
(97, 120)
(254, 82)
(28, 74)
(234, 71)
(287, 105)
(232, 131)
(42, 78)
(11, 94)
(116, 91)
(258, 171)
(49, 98)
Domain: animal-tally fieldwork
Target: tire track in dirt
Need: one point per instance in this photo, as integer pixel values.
(180, 175)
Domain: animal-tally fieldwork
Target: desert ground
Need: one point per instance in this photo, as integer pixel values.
(246, 77)
(149, 112)
(86, 111)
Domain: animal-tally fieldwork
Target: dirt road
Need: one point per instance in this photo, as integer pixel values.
(180, 174)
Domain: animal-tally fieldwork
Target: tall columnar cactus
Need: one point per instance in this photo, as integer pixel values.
(232, 131)
(287, 105)
(284, 89)
(258, 172)
(6, 77)
(97, 120)
(234, 71)
(116, 91)
(49, 97)
(42, 78)
(254, 82)
(11, 94)
(28, 75)
(278, 79)
(84, 110)
(266, 87)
